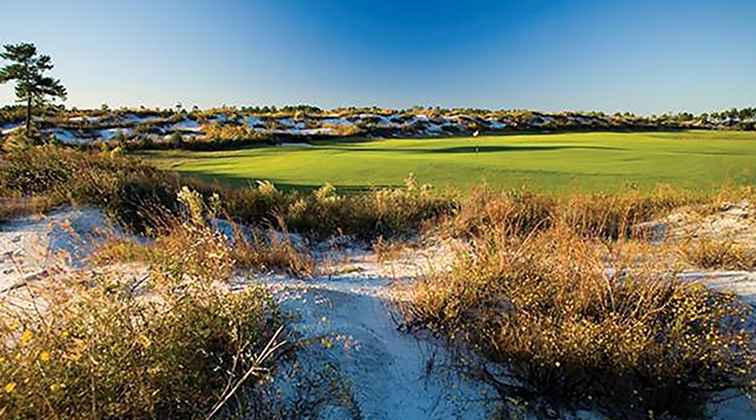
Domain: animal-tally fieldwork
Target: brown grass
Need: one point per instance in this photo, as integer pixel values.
(714, 253)
(521, 212)
(205, 251)
(564, 330)
(91, 348)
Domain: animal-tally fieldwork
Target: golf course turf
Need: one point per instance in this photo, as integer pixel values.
(596, 161)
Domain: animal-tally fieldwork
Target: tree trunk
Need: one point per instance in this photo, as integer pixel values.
(28, 115)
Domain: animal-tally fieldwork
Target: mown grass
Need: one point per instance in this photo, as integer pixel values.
(555, 163)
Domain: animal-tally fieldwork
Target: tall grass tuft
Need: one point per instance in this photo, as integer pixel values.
(206, 250)
(718, 254)
(520, 212)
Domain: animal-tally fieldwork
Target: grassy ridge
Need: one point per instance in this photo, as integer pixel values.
(605, 161)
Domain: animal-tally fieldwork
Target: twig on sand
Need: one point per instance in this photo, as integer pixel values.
(23, 282)
(269, 349)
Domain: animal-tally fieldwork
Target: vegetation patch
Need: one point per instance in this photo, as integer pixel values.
(143, 198)
(206, 250)
(93, 348)
(129, 191)
(711, 253)
(609, 216)
(554, 325)
(558, 164)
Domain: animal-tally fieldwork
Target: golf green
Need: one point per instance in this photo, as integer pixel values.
(597, 161)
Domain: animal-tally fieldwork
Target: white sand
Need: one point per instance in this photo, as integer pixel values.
(186, 124)
(9, 128)
(68, 137)
(392, 374)
(31, 245)
(110, 133)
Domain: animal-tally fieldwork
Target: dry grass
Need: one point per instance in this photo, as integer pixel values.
(90, 347)
(11, 208)
(532, 296)
(389, 250)
(130, 192)
(517, 211)
(520, 212)
(718, 254)
(206, 252)
(564, 330)
(143, 198)
(342, 130)
(274, 251)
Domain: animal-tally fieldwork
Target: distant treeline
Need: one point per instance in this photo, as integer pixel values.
(10, 113)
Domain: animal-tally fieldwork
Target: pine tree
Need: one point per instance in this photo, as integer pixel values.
(27, 69)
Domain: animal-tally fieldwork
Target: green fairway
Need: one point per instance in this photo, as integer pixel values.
(548, 162)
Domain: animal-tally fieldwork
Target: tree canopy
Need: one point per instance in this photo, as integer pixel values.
(28, 70)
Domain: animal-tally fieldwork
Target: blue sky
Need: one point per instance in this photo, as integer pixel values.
(639, 56)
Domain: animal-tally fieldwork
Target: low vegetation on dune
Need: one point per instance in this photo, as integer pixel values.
(143, 198)
(208, 250)
(548, 323)
(233, 127)
(557, 302)
(105, 346)
(48, 176)
(592, 215)
(719, 254)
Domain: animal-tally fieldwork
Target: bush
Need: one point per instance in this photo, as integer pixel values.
(19, 140)
(558, 326)
(519, 212)
(131, 192)
(98, 350)
(343, 130)
(143, 198)
(206, 250)
(613, 216)
(175, 140)
(324, 212)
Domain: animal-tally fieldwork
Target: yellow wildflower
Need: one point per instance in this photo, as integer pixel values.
(144, 340)
(26, 337)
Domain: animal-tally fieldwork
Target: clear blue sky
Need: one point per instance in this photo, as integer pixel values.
(640, 56)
